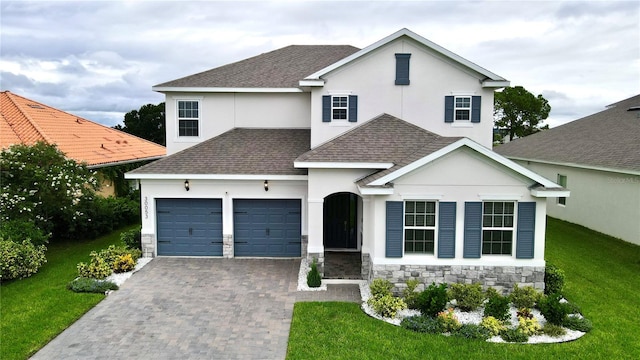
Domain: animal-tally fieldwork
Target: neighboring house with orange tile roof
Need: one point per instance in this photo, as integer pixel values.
(598, 158)
(24, 121)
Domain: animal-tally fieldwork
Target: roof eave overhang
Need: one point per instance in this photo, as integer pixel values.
(581, 166)
(214, 177)
(312, 82)
(166, 89)
(496, 84)
(375, 190)
(550, 193)
(123, 162)
(341, 165)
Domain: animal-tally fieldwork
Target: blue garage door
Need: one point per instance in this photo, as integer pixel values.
(189, 227)
(266, 227)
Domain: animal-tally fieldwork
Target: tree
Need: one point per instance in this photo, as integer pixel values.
(519, 112)
(147, 123)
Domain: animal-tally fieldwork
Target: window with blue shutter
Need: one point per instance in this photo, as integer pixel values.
(525, 242)
(472, 230)
(462, 108)
(394, 229)
(353, 108)
(475, 109)
(447, 230)
(326, 108)
(448, 109)
(402, 69)
(339, 107)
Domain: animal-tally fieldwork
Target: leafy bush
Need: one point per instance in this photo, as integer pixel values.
(468, 296)
(19, 230)
(88, 285)
(380, 287)
(525, 297)
(552, 309)
(423, 324)
(132, 238)
(449, 320)
(553, 280)
(104, 215)
(553, 330)
(529, 326)
(572, 308)
(97, 268)
(577, 323)
(433, 299)
(20, 259)
(514, 335)
(386, 305)
(124, 263)
(491, 292)
(409, 294)
(493, 325)
(497, 307)
(524, 313)
(111, 253)
(472, 331)
(314, 279)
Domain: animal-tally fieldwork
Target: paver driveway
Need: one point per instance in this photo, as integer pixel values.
(189, 308)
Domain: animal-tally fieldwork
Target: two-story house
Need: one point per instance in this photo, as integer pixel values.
(383, 151)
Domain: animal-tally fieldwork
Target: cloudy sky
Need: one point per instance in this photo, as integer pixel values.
(99, 59)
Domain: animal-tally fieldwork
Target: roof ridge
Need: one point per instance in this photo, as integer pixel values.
(26, 116)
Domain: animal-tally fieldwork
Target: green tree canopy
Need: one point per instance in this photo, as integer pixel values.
(147, 123)
(519, 112)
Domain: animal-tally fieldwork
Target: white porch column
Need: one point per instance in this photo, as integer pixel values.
(315, 248)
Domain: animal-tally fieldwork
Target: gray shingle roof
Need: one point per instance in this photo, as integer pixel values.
(609, 139)
(238, 151)
(282, 68)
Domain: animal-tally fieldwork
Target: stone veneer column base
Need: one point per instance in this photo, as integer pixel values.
(148, 246)
(319, 261)
(304, 245)
(501, 278)
(227, 246)
(365, 270)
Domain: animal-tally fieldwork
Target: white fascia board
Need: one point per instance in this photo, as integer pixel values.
(416, 37)
(550, 193)
(475, 146)
(311, 82)
(340, 165)
(513, 197)
(213, 177)
(375, 191)
(163, 89)
(580, 166)
(495, 84)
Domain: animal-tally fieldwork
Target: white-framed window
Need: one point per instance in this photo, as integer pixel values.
(188, 118)
(462, 108)
(498, 219)
(562, 181)
(339, 107)
(419, 227)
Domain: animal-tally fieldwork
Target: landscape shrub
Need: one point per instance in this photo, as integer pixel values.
(472, 331)
(433, 299)
(386, 305)
(514, 335)
(552, 309)
(553, 280)
(468, 296)
(553, 330)
(524, 313)
(525, 297)
(124, 263)
(572, 308)
(529, 326)
(89, 285)
(103, 215)
(380, 287)
(132, 238)
(20, 230)
(21, 259)
(97, 268)
(497, 307)
(111, 253)
(423, 324)
(449, 320)
(409, 294)
(314, 279)
(493, 325)
(577, 323)
(491, 292)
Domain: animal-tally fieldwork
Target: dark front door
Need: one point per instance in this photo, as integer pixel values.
(340, 221)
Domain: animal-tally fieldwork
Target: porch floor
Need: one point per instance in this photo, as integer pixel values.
(342, 265)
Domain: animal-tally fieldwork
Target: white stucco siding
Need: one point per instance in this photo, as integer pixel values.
(372, 79)
(604, 201)
(218, 189)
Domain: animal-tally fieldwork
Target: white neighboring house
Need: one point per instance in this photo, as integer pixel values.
(598, 158)
(384, 152)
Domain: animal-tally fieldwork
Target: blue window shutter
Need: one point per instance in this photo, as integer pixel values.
(472, 230)
(395, 229)
(402, 69)
(447, 230)
(525, 242)
(475, 109)
(326, 108)
(353, 108)
(448, 109)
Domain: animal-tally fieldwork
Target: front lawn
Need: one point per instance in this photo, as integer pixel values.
(602, 277)
(36, 309)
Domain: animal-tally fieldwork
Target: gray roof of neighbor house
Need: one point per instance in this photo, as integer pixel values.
(609, 139)
(385, 139)
(238, 151)
(282, 68)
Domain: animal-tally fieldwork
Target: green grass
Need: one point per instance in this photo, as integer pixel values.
(602, 277)
(36, 309)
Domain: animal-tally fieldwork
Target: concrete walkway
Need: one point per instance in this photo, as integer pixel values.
(192, 308)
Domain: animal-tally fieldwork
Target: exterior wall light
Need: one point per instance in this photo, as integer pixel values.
(266, 185)
(186, 185)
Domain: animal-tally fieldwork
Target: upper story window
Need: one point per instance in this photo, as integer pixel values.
(462, 108)
(339, 108)
(419, 227)
(188, 118)
(497, 227)
(562, 181)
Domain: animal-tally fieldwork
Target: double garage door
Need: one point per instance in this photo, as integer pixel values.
(262, 227)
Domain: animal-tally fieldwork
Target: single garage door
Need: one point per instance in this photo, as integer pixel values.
(189, 227)
(266, 227)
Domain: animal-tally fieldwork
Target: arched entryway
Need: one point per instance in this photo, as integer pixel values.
(342, 229)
